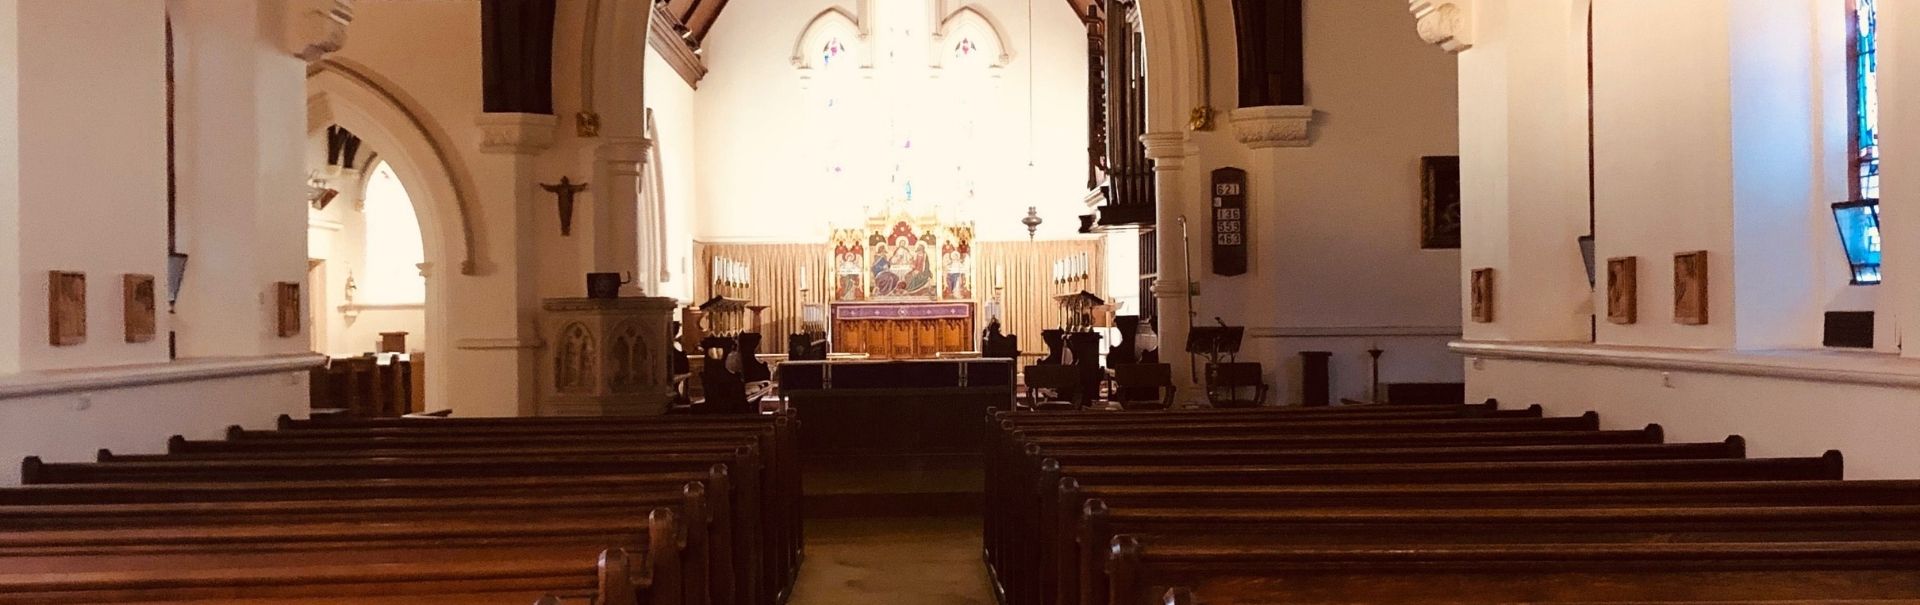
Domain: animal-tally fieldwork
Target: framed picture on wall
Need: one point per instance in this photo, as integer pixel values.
(66, 308)
(1483, 295)
(287, 305)
(1623, 290)
(1690, 288)
(139, 302)
(1440, 202)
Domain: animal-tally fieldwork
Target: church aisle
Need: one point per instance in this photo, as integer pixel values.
(893, 560)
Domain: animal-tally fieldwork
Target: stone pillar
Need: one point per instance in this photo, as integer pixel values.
(1897, 311)
(1169, 151)
(619, 169)
(492, 312)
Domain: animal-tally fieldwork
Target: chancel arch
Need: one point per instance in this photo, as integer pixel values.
(344, 96)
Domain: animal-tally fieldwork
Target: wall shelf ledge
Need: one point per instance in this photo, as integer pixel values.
(1812, 365)
(59, 382)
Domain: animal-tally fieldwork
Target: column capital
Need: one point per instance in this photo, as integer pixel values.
(1168, 150)
(623, 149)
(1446, 23)
(516, 133)
(313, 28)
(1273, 126)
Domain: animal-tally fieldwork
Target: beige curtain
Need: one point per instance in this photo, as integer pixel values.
(1027, 266)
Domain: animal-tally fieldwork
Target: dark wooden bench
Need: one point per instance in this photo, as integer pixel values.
(606, 563)
(771, 566)
(1173, 570)
(709, 539)
(1027, 528)
(1082, 571)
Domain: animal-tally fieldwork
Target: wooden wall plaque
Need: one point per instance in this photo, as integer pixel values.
(1690, 288)
(1482, 285)
(1623, 290)
(1229, 221)
(287, 303)
(136, 290)
(66, 308)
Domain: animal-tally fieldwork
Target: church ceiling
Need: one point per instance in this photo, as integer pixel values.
(698, 16)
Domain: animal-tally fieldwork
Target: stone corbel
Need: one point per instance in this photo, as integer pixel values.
(314, 28)
(1446, 23)
(1273, 126)
(516, 133)
(1168, 150)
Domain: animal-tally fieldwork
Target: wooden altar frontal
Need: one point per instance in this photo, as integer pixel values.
(903, 330)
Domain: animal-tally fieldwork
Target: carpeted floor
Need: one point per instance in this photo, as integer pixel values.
(893, 561)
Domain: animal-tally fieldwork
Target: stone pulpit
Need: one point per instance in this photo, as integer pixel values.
(606, 356)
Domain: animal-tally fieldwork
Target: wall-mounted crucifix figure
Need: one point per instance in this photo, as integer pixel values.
(565, 190)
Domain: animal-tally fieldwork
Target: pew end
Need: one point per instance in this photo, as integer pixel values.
(1655, 432)
(284, 422)
(1835, 465)
(31, 470)
(177, 444)
(1179, 595)
(234, 431)
(1738, 445)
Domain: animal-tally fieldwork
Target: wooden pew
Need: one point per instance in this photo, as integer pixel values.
(1084, 571)
(1172, 570)
(300, 561)
(1028, 546)
(768, 568)
(709, 539)
(780, 483)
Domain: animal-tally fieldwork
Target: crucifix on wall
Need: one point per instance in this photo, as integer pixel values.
(565, 190)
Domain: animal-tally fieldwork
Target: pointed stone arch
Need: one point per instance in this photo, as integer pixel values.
(834, 22)
(339, 90)
(970, 22)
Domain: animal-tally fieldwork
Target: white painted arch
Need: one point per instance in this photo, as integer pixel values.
(405, 142)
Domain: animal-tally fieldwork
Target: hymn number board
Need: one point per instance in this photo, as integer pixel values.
(1229, 221)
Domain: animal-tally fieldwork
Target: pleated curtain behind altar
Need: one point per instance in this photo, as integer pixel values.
(1027, 302)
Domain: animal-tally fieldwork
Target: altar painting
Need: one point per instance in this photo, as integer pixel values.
(903, 263)
(849, 266)
(956, 258)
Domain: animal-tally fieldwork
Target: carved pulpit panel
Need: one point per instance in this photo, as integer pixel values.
(606, 356)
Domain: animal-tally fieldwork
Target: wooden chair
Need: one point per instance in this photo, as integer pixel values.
(1143, 386)
(1228, 385)
(1063, 382)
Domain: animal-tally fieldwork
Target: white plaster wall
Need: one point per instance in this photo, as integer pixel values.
(1876, 427)
(9, 186)
(84, 96)
(72, 427)
(1663, 153)
(757, 157)
(92, 180)
(677, 121)
(1335, 243)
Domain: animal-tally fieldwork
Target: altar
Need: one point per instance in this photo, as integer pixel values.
(903, 330)
(903, 287)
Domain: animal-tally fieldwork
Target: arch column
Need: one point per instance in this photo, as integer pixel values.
(1169, 152)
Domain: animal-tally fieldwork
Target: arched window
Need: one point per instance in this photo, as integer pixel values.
(393, 246)
(1859, 218)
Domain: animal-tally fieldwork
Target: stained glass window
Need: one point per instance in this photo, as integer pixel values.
(831, 51)
(1859, 219)
(1866, 105)
(965, 48)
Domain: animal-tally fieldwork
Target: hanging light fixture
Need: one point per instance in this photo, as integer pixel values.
(1032, 220)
